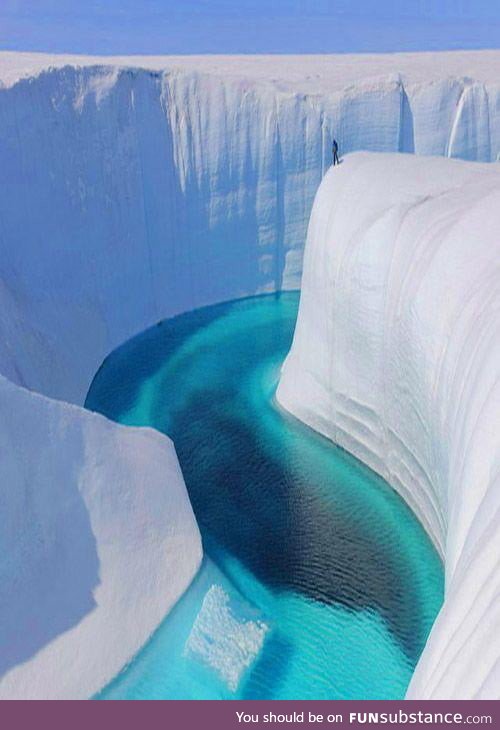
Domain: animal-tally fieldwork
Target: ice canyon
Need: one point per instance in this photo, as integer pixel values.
(137, 188)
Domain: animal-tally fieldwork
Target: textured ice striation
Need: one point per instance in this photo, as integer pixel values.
(396, 357)
(222, 640)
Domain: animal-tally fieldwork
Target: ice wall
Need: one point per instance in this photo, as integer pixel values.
(98, 542)
(396, 357)
(130, 193)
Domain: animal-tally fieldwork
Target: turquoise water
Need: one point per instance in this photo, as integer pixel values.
(318, 582)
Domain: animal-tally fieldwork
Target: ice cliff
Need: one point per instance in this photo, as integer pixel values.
(138, 188)
(133, 189)
(396, 357)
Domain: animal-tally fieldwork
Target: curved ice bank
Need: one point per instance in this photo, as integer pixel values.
(137, 188)
(98, 541)
(396, 357)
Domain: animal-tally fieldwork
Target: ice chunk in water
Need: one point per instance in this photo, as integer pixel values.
(223, 641)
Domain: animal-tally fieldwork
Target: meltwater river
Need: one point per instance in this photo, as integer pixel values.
(318, 581)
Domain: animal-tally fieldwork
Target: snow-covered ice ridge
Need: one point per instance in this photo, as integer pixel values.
(396, 357)
(98, 541)
(136, 188)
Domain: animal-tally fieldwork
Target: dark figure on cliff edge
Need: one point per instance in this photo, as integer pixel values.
(335, 153)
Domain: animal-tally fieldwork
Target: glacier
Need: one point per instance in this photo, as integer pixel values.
(136, 188)
(396, 357)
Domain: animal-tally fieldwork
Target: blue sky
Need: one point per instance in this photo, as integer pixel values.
(247, 26)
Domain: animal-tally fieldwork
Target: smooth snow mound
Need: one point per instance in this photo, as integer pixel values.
(98, 541)
(396, 357)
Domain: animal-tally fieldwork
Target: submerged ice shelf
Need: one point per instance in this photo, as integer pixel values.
(323, 574)
(396, 356)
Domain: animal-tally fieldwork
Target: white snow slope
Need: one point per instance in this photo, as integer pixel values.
(98, 541)
(396, 357)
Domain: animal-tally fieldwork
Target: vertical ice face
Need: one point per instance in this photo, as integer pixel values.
(132, 193)
(396, 357)
(470, 133)
(431, 113)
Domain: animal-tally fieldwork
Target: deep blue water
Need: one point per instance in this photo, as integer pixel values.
(318, 581)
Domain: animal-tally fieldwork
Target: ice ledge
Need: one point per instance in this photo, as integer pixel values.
(98, 542)
(399, 330)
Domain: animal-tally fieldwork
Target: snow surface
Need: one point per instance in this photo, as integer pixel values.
(136, 188)
(98, 541)
(307, 74)
(396, 357)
